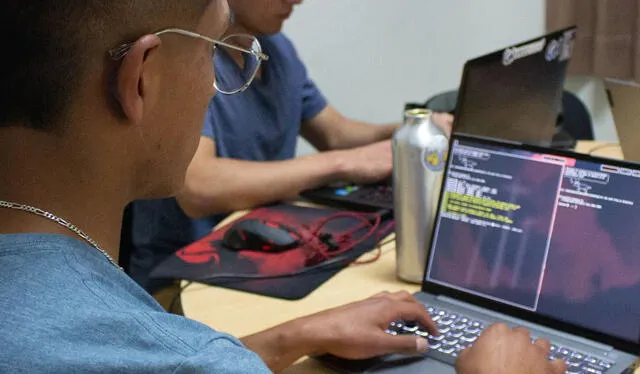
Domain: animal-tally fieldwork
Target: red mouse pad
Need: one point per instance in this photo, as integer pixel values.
(327, 241)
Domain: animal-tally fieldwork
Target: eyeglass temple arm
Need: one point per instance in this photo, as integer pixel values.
(119, 52)
(260, 55)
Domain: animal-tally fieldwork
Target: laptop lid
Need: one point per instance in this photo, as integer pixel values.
(548, 236)
(624, 99)
(516, 93)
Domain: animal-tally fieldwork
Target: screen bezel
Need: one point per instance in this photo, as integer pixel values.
(438, 289)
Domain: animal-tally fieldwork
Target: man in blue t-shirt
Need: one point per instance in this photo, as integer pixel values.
(246, 155)
(105, 106)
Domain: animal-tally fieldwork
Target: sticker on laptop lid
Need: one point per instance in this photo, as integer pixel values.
(512, 54)
(553, 50)
(567, 44)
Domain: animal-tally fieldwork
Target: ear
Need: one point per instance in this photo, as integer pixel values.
(130, 80)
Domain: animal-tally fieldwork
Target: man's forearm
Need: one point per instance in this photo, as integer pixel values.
(380, 132)
(281, 346)
(330, 130)
(226, 185)
(360, 133)
(356, 134)
(346, 133)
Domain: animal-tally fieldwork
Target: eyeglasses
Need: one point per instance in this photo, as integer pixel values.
(230, 78)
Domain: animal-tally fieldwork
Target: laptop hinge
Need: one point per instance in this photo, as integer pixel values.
(598, 346)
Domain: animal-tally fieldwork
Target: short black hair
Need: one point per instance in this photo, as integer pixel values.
(47, 45)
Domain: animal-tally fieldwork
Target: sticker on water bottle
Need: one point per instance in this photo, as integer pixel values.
(433, 159)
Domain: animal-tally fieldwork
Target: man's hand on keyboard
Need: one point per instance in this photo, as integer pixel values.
(357, 330)
(367, 164)
(501, 350)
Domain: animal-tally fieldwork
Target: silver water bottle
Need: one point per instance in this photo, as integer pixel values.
(419, 155)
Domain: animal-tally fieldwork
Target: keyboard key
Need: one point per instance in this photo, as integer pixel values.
(472, 330)
(469, 338)
(448, 341)
(436, 338)
(445, 322)
(605, 364)
(591, 369)
(598, 367)
(446, 350)
(572, 361)
(564, 352)
(411, 328)
(424, 334)
(456, 333)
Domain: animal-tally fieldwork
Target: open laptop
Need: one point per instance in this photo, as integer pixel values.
(533, 237)
(514, 94)
(360, 197)
(624, 99)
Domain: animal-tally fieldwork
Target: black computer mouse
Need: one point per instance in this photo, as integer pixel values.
(260, 235)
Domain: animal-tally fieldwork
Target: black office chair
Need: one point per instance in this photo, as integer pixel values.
(573, 122)
(575, 118)
(444, 102)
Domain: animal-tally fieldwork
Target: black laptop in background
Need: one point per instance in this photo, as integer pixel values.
(514, 94)
(366, 198)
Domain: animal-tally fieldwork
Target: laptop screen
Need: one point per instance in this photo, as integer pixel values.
(549, 234)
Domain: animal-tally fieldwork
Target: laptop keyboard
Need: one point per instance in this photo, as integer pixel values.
(458, 332)
(376, 193)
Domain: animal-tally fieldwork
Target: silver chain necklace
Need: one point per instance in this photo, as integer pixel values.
(60, 221)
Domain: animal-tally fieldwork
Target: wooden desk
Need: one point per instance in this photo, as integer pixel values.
(600, 149)
(240, 313)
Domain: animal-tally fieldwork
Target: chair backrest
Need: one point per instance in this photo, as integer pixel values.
(444, 102)
(575, 118)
